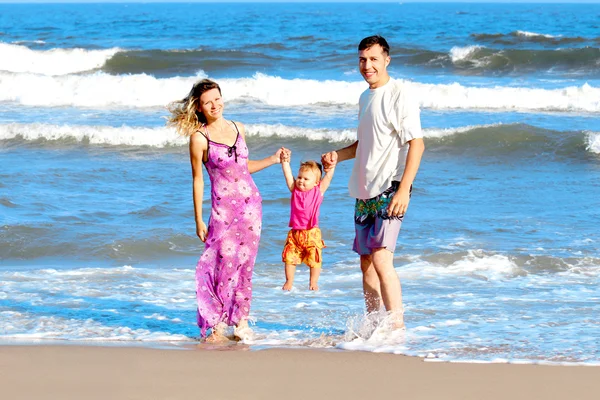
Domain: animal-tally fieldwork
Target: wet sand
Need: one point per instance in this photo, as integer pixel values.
(235, 372)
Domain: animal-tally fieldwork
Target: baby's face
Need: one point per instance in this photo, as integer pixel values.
(306, 180)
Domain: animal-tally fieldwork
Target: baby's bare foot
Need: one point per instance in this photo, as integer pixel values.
(287, 286)
(313, 286)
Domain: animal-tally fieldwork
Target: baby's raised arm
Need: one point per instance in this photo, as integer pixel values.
(326, 181)
(286, 157)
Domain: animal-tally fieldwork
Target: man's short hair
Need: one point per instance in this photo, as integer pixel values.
(370, 41)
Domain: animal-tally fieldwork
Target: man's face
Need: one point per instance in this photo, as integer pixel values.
(372, 63)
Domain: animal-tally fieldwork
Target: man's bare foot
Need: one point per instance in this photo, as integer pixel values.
(287, 285)
(397, 320)
(399, 325)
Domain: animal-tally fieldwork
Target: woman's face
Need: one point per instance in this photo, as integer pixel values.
(211, 105)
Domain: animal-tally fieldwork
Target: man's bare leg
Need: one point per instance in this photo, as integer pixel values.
(290, 271)
(314, 278)
(371, 285)
(391, 290)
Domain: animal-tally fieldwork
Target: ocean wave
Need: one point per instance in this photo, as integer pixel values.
(158, 137)
(481, 264)
(473, 59)
(522, 140)
(455, 96)
(29, 242)
(519, 37)
(482, 59)
(101, 90)
(492, 139)
(17, 58)
(96, 135)
(181, 62)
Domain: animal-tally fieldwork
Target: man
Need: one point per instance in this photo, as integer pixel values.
(387, 155)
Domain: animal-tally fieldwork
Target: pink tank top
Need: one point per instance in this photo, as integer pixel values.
(305, 208)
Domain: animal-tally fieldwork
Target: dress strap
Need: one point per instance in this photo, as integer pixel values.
(207, 141)
(233, 149)
(236, 128)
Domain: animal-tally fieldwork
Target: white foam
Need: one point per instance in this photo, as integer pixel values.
(31, 327)
(593, 142)
(101, 90)
(124, 135)
(534, 34)
(55, 304)
(443, 132)
(274, 90)
(475, 264)
(335, 135)
(16, 58)
(455, 96)
(460, 54)
(163, 136)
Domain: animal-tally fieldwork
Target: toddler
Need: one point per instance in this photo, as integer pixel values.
(304, 243)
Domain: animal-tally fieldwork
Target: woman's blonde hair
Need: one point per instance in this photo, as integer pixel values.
(313, 166)
(185, 117)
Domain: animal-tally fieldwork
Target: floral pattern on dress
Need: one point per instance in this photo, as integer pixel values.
(224, 271)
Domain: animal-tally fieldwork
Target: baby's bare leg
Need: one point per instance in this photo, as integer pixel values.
(290, 271)
(315, 272)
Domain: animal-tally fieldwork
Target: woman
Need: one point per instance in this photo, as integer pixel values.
(224, 271)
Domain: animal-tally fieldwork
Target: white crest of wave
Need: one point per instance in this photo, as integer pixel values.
(534, 34)
(458, 54)
(475, 264)
(455, 96)
(144, 91)
(16, 58)
(274, 90)
(94, 90)
(165, 136)
(154, 137)
(593, 142)
(124, 135)
(332, 135)
(442, 132)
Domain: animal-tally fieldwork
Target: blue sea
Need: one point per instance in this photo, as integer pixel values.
(498, 256)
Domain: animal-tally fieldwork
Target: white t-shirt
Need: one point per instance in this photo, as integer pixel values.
(388, 118)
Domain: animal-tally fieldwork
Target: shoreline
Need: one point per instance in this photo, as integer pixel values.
(238, 372)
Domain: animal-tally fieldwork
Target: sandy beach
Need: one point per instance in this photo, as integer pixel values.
(94, 372)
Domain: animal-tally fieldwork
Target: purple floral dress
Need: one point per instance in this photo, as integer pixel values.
(224, 271)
